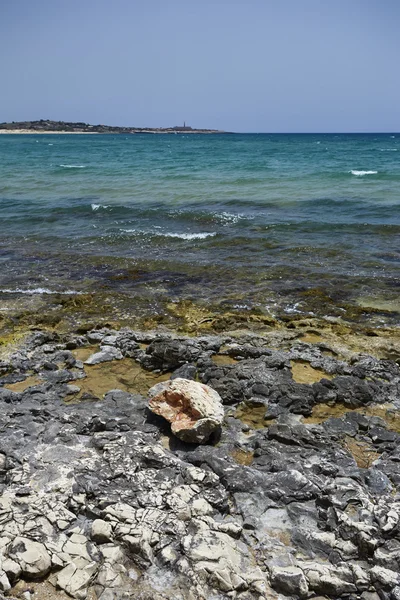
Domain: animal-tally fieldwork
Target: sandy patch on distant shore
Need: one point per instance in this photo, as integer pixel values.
(45, 132)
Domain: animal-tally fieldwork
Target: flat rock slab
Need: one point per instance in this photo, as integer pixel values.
(194, 410)
(106, 354)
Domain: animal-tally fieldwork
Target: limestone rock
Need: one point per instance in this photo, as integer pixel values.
(75, 581)
(289, 580)
(193, 409)
(101, 531)
(218, 554)
(4, 583)
(11, 569)
(384, 578)
(326, 579)
(32, 557)
(396, 593)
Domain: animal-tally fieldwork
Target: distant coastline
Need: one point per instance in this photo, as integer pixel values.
(34, 131)
(55, 127)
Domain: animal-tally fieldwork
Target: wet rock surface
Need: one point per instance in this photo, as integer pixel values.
(95, 501)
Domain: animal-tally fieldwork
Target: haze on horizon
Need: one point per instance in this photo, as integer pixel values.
(237, 65)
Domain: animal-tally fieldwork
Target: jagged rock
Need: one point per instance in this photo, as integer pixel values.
(289, 580)
(109, 577)
(76, 546)
(75, 581)
(396, 593)
(11, 568)
(169, 354)
(32, 557)
(194, 410)
(186, 371)
(101, 531)
(219, 554)
(5, 585)
(326, 579)
(370, 596)
(384, 578)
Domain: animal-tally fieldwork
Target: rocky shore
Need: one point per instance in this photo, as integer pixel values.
(294, 496)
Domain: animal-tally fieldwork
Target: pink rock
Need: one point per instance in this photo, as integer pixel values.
(194, 410)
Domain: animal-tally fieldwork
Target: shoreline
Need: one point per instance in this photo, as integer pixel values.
(361, 331)
(147, 132)
(116, 132)
(29, 131)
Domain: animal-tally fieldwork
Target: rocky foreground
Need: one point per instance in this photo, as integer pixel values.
(100, 499)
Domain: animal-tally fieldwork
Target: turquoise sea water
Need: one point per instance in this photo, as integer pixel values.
(247, 219)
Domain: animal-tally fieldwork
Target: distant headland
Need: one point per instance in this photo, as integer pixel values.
(47, 126)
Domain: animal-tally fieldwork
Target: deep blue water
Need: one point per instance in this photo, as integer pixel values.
(269, 212)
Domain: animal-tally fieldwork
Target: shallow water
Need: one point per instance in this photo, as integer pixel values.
(246, 219)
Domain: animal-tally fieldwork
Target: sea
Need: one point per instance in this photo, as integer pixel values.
(242, 220)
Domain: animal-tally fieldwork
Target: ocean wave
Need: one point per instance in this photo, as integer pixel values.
(189, 236)
(182, 236)
(72, 166)
(97, 206)
(388, 149)
(207, 217)
(231, 218)
(362, 173)
(39, 291)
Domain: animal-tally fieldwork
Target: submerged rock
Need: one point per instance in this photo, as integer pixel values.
(194, 410)
(106, 354)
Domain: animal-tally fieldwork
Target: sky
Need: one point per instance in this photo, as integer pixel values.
(236, 65)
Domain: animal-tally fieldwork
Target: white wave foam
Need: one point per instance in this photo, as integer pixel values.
(39, 291)
(73, 166)
(362, 173)
(293, 309)
(189, 236)
(97, 206)
(231, 218)
(388, 149)
(182, 236)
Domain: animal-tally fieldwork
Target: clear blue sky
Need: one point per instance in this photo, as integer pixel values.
(241, 65)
